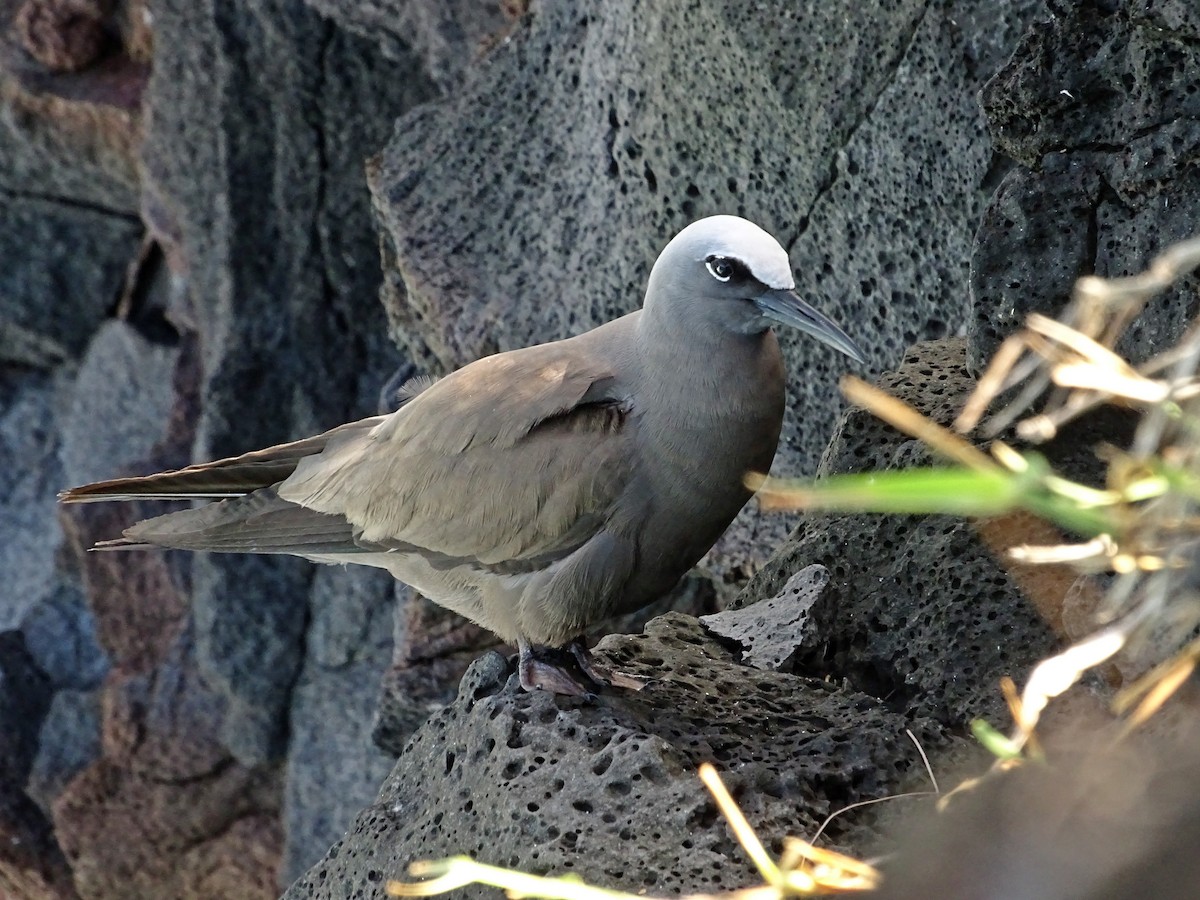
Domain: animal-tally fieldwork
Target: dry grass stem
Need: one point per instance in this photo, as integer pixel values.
(1071, 366)
(904, 418)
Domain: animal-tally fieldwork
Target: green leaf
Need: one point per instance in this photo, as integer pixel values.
(954, 491)
(993, 741)
(947, 490)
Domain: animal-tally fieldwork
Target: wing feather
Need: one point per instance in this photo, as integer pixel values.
(508, 464)
(512, 458)
(235, 476)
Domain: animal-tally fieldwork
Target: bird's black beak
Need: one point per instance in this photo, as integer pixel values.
(785, 306)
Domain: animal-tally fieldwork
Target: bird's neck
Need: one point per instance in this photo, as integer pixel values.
(715, 368)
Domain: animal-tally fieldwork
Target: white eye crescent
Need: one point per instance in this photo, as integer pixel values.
(719, 268)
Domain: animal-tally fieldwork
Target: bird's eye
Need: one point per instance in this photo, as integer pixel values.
(719, 267)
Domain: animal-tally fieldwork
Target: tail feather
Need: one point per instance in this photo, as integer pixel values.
(261, 522)
(236, 476)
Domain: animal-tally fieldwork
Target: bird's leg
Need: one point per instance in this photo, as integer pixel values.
(602, 674)
(538, 673)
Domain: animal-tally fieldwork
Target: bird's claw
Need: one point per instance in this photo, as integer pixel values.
(539, 674)
(552, 669)
(602, 674)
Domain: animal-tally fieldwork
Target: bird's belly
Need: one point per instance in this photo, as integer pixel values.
(483, 597)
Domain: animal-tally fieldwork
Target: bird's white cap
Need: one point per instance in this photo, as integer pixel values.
(737, 238)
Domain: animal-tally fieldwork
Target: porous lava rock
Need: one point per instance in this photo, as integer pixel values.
(1099, 104)
(607, 790)
(917, 609)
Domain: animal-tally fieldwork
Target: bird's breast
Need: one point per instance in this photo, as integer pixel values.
(710, 424)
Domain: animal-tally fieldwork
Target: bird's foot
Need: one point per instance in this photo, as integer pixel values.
(602, 674)
(543, 669)
(549, 669)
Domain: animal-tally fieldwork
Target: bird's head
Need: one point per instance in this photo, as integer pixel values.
(731, 274)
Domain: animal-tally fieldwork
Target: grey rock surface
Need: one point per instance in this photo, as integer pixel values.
(608, 791)
(23, 705)
(120, 403)
(40, 601)
(31, 863)
(259, 120)
(57, 427)
(448, 35)
(29, 477)
(44, 414)
(333, 767)
(60, 632)
(256, 321)
(1095, 74)
(68, 742)
(111, 410)
(78, 257)
(773, 629)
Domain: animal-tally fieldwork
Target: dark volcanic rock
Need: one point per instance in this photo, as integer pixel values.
(120, 405)
(259, 119)
(68, 742)
(917, 610)
(608, 790)
(1100, 104)
(333, 765)
(770, 631)
(76, 256)
(1095, 74)
(31, 863)
(29, 477)
(23, 703)
(448, 35)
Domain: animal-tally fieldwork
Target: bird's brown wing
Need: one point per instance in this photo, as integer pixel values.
(514, 459)
(509, 463)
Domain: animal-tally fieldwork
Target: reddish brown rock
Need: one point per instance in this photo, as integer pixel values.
(138, 605)
(63, 35)
(132, 836)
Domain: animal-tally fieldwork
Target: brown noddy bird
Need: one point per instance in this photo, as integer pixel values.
(541, 490)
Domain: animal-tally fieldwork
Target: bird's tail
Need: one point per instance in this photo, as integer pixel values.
(236, 476)
(251, 517)
(260, 522)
